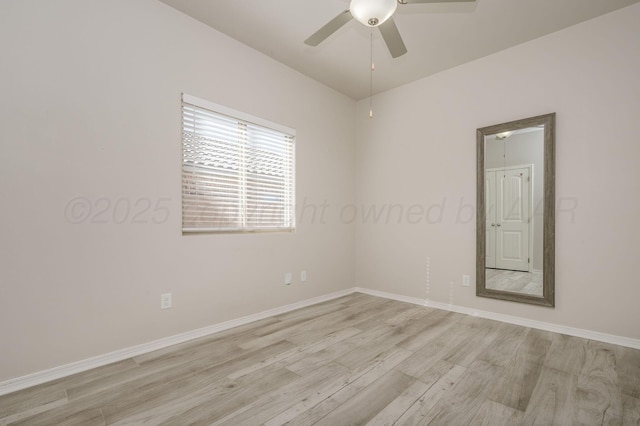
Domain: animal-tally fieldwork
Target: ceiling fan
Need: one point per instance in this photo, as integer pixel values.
(372, 13)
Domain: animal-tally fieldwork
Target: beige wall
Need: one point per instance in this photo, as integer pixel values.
(420, 148)
(90, 107)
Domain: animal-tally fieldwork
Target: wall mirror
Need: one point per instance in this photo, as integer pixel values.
(515, 222)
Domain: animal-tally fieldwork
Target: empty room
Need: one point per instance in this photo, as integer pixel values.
(332, 212)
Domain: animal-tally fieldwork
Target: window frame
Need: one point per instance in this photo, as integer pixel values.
(288, 186)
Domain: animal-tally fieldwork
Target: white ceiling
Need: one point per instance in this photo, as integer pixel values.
(437, 36)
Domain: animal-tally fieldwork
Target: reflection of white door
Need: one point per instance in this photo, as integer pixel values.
(508, 217)
(490, 215)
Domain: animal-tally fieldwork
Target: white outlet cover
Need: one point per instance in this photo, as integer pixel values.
(288, 278)
(165, 301)
(303, 276)
(466, 280)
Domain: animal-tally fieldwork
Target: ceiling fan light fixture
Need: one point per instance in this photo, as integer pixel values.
(372, 12)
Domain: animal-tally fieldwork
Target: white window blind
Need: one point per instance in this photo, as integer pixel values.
(237, 171)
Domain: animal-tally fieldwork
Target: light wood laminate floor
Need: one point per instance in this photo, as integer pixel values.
(351, 361)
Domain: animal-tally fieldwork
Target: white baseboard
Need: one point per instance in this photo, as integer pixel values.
(40, 377)
(540, 325)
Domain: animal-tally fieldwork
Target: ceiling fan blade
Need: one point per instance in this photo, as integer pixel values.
(331, 27)
(433, 1)
(392, 38)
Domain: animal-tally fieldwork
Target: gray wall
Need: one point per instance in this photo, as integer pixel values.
(421, 149)
(90, 111)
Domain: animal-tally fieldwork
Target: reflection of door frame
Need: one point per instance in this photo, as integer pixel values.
(530, 212)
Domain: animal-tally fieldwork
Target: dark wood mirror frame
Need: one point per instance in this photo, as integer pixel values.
(548, 283)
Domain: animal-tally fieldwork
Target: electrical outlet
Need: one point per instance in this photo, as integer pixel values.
(466, 280)
(303, 276)
(288, 278)
(165, 301)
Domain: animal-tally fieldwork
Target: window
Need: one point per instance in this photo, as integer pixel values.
(237, 171)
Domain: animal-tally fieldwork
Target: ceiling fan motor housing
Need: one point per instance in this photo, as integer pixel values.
(372, 12)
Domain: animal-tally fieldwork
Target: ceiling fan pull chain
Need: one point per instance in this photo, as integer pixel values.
(373, 67)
